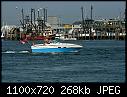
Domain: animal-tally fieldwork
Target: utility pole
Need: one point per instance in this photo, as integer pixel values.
(83, 21)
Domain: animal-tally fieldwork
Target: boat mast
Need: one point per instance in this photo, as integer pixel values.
(91, 22)
(83, 21)
(23, 19)
(91, 12)
(31, 17)
(44, 20)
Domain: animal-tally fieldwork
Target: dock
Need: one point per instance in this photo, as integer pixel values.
(86, 29)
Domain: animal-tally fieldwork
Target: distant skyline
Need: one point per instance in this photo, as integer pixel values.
(68, 11)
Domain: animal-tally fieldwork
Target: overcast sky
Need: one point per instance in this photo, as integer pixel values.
(68, 11)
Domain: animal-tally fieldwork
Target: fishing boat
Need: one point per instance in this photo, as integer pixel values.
(55, 47)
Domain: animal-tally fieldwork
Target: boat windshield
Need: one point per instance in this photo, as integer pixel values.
(56, 40)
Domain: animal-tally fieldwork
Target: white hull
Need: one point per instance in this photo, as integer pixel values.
(55, 47)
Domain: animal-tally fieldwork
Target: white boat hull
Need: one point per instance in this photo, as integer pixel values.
(55, 47)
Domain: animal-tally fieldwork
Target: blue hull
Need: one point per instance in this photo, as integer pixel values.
(55, 50)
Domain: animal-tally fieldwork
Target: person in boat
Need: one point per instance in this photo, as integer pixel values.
(47, 40)
(33, 34)
(23, 39)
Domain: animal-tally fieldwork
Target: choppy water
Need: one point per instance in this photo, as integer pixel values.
(98, 61)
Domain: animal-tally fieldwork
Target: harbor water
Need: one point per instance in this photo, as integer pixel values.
(98, 61)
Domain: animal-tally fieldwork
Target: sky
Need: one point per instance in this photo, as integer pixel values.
(68, 11)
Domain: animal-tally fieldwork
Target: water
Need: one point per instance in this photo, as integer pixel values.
(98, 61)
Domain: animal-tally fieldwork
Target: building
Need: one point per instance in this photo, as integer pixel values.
(55, 24)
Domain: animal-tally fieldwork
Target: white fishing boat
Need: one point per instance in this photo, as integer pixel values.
(55, 47)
